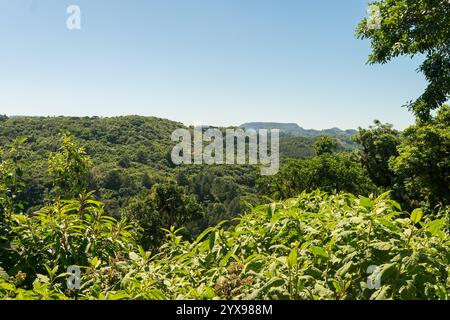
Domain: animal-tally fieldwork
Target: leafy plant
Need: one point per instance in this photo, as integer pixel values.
(314, 246)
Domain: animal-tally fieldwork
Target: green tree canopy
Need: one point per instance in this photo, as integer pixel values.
(69, 168)
(423, 164)
(377, 145)
(329, 172)
(325, 145)
(167, 205)
(415, 27)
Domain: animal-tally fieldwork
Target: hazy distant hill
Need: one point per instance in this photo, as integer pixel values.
(295, 129)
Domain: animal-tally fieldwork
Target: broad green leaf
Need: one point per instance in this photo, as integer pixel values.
(318, 251)
(416, 216)
(7, 286)
(382, 246)
(134, 256)
(292, 258)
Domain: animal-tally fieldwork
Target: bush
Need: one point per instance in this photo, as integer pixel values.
(66, 233)
(314, 246)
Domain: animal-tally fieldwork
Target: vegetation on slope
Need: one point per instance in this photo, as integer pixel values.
(315, 246)
(129, 164)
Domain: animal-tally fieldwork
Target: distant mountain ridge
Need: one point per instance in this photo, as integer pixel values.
(295, 129)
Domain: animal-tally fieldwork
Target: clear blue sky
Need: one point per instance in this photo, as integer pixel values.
(219, 62)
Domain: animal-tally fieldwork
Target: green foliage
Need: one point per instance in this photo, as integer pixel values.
(319, 245)
(341, 171)
(415, 27)
(11, 187)
(325, 145)
(68, 232)
(423, 164)
(113, 180)
(130, 155)
(165, 206)
(111, 143)
(11, 178)
(69, 168)
(378, 144)
(314, 246)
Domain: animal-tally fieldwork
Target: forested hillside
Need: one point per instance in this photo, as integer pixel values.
(130, 156)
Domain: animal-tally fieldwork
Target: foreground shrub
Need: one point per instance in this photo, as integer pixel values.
(315, 246)
(66, 233)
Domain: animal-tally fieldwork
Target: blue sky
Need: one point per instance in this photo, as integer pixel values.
(219, 62)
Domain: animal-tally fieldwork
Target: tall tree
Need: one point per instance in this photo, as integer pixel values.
(414, 27)
(325, 145)
(376, 146)
(165, 206)
(11, 186)
(69, 168)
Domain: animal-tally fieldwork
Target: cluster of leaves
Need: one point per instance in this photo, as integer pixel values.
(69, 168)
(325, 145)
(11, 186)
(59, 235)
(67, 233)
(314, 246)
(11, 178)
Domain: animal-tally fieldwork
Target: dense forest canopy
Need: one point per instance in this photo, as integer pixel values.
(129, 155)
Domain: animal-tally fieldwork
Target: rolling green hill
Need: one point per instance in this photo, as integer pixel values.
(131, 154)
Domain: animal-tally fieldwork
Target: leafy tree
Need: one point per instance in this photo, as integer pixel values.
(377, 145)
(415, 27)
(167, 205)
(124, 162)
(113, 180)
(72, 232)
(11, 186)
(147, 182)
(69, 168)
(325, 145)
(224, 189)
(141, 157)
(182, 178)
(423, 164)
(202, 185)
(328, 172)
(11, 178)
